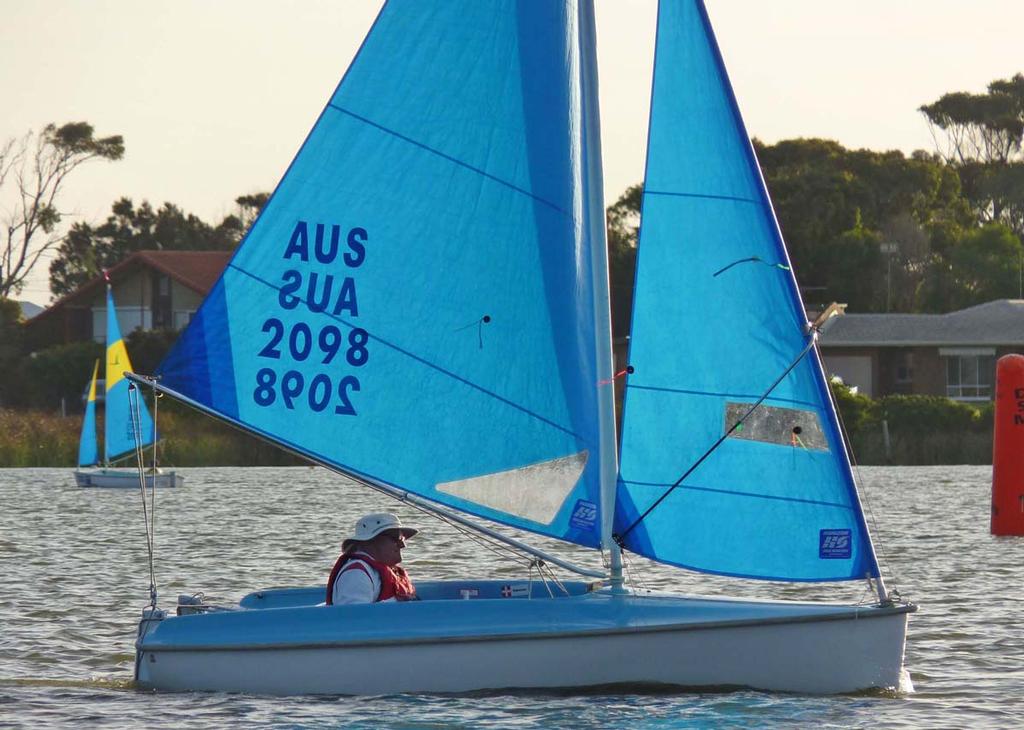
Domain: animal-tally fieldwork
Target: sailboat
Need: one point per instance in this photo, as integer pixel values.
(423, 307)
(123, 416)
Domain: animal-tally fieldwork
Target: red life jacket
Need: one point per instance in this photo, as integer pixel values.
(394, 581)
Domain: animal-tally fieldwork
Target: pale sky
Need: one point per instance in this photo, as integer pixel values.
(214, 97)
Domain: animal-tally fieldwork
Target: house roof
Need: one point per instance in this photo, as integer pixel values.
(1000, 322)
(197, 270)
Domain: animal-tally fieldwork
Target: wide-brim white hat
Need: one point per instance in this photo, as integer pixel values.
(369, 526)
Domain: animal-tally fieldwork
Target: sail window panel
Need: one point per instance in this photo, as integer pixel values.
(775, 425)
(535, 492)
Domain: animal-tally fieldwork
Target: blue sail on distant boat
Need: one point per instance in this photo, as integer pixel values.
(119, 423)
(422, 305)
(88, 452)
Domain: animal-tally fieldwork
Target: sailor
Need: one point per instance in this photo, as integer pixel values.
(368, 569)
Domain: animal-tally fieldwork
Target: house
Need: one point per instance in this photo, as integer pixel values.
(950, 355)
(152, 290)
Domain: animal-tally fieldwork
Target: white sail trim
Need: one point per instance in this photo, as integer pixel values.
(534, 492)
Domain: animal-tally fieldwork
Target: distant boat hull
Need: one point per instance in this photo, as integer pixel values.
(125, 478)
(593, 639)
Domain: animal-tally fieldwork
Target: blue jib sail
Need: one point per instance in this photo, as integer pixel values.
(119, 421)
(717, 319)
(414, 305)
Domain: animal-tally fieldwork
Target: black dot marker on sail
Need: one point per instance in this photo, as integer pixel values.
(479, 328)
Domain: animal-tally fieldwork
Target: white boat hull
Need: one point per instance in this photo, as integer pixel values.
(125, 478)
(754, 645)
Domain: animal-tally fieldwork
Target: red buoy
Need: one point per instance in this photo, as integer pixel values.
(1008, 448)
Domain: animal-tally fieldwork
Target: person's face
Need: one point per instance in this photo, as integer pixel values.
(387, 547)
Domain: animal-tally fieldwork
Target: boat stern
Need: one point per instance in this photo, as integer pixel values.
(152, 617)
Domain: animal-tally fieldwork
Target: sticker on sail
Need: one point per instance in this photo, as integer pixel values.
(584, 515)
(835, 544)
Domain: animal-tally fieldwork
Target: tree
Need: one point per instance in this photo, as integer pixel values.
(984, 264)
(623, 225)
(37, 167)
(862, 227)
(981, 136)
(87, 250)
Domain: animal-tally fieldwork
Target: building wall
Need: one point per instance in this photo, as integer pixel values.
(132, 300)
(184, 303)
(902, 370)
(857, 366)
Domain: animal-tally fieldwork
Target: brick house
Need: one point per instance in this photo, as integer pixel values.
(152, 290)
(950, 355)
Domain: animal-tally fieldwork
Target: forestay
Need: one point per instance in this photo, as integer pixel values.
(415, 304)
(717, 319)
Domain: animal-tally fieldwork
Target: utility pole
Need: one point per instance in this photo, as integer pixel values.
(889, 248)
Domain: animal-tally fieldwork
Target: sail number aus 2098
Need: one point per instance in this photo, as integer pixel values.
(301, 342)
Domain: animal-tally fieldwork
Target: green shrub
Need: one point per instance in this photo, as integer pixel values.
(910, 415)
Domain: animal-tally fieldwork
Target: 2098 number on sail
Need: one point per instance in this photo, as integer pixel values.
(318, 393)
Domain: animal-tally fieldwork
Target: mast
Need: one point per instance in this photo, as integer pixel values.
(594, 230)
(111, 313)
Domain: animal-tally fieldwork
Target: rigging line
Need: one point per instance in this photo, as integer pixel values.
(858, 480)
(136, 417)
(350, 473)
(433, 366)
(621, 538)
(499, 549)
(451, 159)
(152, 491)
(494, 546)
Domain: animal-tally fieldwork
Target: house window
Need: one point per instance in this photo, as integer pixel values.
(182, 318)
(905, 368)
(969, 373)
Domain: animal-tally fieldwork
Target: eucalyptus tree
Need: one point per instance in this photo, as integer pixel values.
(33, 172)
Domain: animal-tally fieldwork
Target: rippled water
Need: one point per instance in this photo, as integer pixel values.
(75, 578)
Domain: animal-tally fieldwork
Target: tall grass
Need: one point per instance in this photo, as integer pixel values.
(41, 439)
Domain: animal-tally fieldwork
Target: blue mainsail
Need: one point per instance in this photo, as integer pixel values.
(119, 423)
(415, 305)
(88, 454)
(717, 319)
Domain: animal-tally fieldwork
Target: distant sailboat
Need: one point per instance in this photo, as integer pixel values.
(118, 423)
(423, 306)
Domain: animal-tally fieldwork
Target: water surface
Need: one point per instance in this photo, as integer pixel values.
(76, 577)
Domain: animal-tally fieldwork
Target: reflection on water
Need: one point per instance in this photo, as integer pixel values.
(76, 579)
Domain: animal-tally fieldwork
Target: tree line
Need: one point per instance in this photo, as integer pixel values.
(879, 231)
(886, 232)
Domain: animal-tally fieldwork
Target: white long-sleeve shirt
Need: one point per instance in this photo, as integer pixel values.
(356, 586)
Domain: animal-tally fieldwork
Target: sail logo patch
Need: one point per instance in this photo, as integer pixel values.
(835, 544)
(584, 515)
